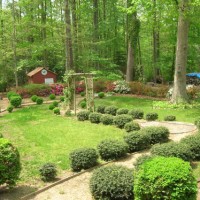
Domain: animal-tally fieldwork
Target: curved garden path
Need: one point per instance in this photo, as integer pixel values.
(77, 188)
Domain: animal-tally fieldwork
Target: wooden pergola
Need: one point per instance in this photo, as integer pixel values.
(89, 89)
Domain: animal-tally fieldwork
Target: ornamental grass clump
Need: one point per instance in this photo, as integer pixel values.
(83, 115)
(165, 178)
(122, 111)
(107, 119)
(112, 183)
(112, 149)
(83, 158)
(112, 110)
(121, 120)
(136, 113)
(48, 172)
(132, 126)
(95, 117)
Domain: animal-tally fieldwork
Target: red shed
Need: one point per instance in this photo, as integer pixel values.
(41, 75)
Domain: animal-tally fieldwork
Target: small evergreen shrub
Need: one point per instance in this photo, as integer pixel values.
(156, 134)
(39, 101)
(9, 163)
(10, 94)
(55, 103)
(112, 110)
(107, 119)
(34, 98)
(83, 104)
(121, 120)
(1, 135)
(51, 107)
(10, 108)
(170, 118)
(83, 158)
(16, 101)
(131, 126)
(173, 149)
(136, 113)
(82, 94)
(112, 149)
(62, 99)
(101, 109)
(112, 182)
(151, 116)
(137, 141)
(48, 172)
(52, 96)
(56, 111)
(101, 95)
(83, 115)
(122, 111)
(95, 118)
(197, 123)
(165, 178)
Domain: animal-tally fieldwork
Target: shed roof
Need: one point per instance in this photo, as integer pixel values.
(36, 70)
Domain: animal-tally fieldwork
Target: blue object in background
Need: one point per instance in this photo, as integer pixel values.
(194, 75)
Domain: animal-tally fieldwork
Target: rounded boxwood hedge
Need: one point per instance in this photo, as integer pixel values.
(52, 96)
(173, 149)
(136, 113)
(197, 123)
(121, 120)
(101, 109)
(107, 119)
(112, 149)
(10, 94)
(83, 104)
(165, 178)
(83, 115)
(112, 110)
(10, 166)
(16, 101)
(83, 158)
(10, 108)
(55, 103)
(51, 107)
(56, 111)
(34, 98)
(137, 141)
(170, 118)
(156, 134)
(101, 95)
(48, 172)
(95, 117)
(39, 101)
(132, 126)
(151, 116)
(122, 111)
(62, 99)
(112, 183)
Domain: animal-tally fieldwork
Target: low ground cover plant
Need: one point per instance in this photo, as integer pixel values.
(107, 119)
(132, 126)
(121, 120)
(83, 115)
(48, 172)
(136, 113)
(112, 182)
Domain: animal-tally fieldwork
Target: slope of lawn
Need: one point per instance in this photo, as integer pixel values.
(44, 137)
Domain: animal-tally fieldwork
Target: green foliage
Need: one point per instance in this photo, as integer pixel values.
(10, 108)
(101, 95)
(121, 111)
(16, 101)
(10, 94)
(137, 141)
(51, 107)
(165, 178)
(173, 149)
(9, 163)
(170, 118)
(52, 96)
(101, 109)
(197, 122)
(1, 135)
(112, 110)
(156, 134)
(56, 111)
(83, 115)
(55, 103)
(95, 117)
(62, 99)
(82, 94)
(39, 101)
(83, 104)
(83, 158)
(121, 87)
(112, 182)
(121, 120)
(131, 126)
(107, 119)
(48, 172)
(151, 116)
(34, 98)
(112, 149)
(136, 113)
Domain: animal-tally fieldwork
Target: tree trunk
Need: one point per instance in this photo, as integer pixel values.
(179, 92)
(130, 63)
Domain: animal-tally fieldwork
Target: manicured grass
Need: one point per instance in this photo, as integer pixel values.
(44, 137)
(184, 115)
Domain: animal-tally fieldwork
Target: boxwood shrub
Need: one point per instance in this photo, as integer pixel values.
(112, 149)
(83, 104)
(173, 149)
(112, 183)
(101, 95)
(151, 116)
(83, 158)
(136, 113)
(197, 123)
(10, 94)
(165, 178)
(62, 99)
(56, 111)
(51, 107)
(55, 103)
(107, 119)
(34, 98)
(95, 117)
(16, 101)
(156, 134)
(10, 108)
(1, 135)
(122, 111)
(39, 101)
(48, 172)
(52, 96)
(121, 120)
(112, 110)
(101, 109)
(10, 166)
(132, 126)
(83, 115)
(170, 118)
(137, 141)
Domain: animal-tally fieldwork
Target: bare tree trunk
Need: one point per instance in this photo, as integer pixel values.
(130, 63)
(179, 91)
